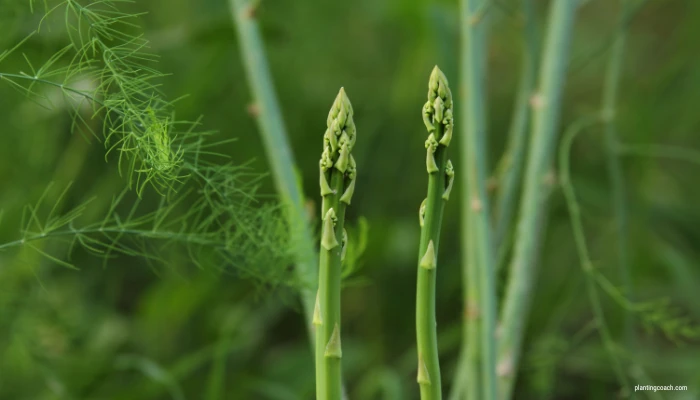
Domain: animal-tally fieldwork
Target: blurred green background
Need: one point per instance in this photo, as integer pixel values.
(124, 330)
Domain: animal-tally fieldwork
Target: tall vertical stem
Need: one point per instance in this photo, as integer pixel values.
(609, 102)
(479, 259)
(277, 147)
(511, 169)
(546, 110)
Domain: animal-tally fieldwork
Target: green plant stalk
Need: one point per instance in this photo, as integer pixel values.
(511, 168)
(546, 110)
(337, 183)
(479, 268)
(438, 118)
(614, 168)
(277, 148)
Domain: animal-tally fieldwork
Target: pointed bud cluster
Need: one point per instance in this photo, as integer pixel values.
(340, 135)
(338, 142)
(437, 111)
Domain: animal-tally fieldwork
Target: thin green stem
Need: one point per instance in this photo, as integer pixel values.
(614, 167)
(546, 110)
(337, 182)
(277, 147)
(57, 85)
(479, 268)
(511, 168)
(437, 114)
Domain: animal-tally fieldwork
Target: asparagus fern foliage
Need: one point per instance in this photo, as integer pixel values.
(337, 181)
(438, 118)
(108, 69)
(210, 214)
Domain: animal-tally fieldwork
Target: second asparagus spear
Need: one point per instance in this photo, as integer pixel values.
(437, 115)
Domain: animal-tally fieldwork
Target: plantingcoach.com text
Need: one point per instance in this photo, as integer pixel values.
(643, 388)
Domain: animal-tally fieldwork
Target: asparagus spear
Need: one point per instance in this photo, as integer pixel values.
(337, 181)
(437, 116)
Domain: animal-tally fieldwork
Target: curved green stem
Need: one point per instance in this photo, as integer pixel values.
(546, 110)
(582, 247)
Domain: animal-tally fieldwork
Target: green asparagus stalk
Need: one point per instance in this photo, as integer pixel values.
(337, 181)
(438, 118)
(546, 108)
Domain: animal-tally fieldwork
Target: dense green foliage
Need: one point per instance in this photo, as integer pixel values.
(183, 288)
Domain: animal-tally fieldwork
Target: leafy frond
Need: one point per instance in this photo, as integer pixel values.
(209, 213)
(107, 68)
(216, 224)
